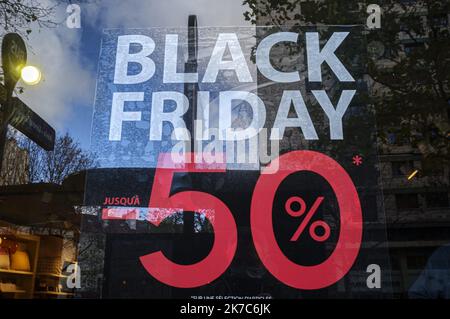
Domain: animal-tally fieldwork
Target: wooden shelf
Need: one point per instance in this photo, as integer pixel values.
(15, 272)
(25, 280)
(47, 274)
(13, 292)
(53, 293)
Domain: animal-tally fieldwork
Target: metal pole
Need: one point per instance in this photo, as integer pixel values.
(6, 116)
(190, 90)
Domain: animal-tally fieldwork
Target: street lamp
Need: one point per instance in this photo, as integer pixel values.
(14, 55)
(31, 75)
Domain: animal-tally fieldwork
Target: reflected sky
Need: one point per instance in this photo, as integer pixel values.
(69, 57)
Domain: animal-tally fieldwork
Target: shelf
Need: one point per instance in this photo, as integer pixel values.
(16, 272)
(53, 293)
(25, 280)
(13, 292)
(47, 274)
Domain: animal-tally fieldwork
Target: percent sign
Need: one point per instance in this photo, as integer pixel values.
(300, 212)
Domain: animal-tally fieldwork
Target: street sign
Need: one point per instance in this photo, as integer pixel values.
(29, 123)
(32, 125)
(14, 57)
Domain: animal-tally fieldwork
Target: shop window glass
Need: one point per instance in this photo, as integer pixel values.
(407, 201)
(437, 200)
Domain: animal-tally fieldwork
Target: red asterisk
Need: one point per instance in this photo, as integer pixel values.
(357, 160)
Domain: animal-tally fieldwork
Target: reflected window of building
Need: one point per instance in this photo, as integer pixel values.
(402, 168)
(437, 200)
(414, 47)
(416, 262)
(406, 202)
(439, 21)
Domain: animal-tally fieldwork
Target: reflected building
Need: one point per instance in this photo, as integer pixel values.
(414, 204)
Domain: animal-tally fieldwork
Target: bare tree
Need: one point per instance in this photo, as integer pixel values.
(19, 15)
(35, 159)
(54, 166)
(22, 16)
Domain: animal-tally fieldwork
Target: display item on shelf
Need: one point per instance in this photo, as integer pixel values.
(4, 258)
(20, 261)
